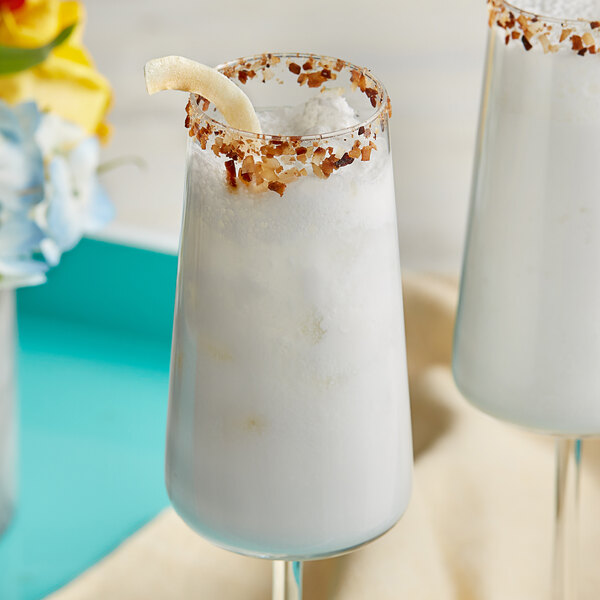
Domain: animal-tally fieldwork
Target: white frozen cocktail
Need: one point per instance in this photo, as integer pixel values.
(289, 428)
(527, 347)
(527, 338)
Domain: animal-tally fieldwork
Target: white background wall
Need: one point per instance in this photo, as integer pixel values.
(428, 53)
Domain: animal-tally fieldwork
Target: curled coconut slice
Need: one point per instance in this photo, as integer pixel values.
(179, 73)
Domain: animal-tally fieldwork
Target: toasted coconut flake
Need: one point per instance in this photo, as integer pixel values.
(545, 43)
(345, 160)
(268, 173)
(535, 27)
(315, 80)
(288, 176)
(329, 165)
(522, 21)
(277, 186)
(248, 165)
(318, 171)
(319, 153)
(271, 163)
(564, 34)
(372, 95)
(230, 170)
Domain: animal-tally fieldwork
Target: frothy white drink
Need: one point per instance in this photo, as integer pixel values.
(289, 431)
(527, 345)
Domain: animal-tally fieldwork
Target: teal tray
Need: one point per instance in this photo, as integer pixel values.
(93, 368)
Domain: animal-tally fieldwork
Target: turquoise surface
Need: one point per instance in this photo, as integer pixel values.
(94, 347)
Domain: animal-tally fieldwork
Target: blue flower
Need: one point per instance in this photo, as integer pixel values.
(21, 190)
(49, 191)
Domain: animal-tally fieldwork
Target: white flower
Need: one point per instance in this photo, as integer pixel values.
(74, 202)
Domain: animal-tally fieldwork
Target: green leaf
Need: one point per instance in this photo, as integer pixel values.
(13, 60)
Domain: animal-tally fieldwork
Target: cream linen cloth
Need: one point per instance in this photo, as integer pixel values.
(479, 525)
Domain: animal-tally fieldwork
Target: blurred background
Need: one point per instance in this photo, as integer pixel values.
(429, 54)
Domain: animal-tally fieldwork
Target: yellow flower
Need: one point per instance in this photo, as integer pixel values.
(66, 83)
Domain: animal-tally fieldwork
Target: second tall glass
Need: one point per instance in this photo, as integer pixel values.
(527, 342)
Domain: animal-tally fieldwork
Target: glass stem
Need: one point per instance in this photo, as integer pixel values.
(568, 463)
(287, 580)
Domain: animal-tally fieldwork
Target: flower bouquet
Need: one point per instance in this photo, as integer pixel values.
(52, 108)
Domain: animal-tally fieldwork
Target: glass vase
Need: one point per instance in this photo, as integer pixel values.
(7, 407)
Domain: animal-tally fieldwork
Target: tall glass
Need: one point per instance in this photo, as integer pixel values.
(289, 432)
(527, 339)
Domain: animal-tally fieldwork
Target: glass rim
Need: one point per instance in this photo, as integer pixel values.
(546, 18)
(382, 100)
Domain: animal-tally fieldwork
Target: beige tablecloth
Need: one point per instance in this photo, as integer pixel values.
(479, 526)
